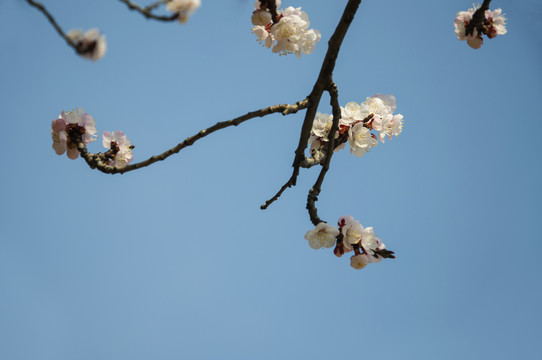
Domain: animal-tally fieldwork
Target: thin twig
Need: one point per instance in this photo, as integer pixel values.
(156, 4)
(147, 11)
(324, 79)
(53, 22)
(277, 195)
(96, 161)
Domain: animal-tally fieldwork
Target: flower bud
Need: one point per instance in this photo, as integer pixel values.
(492, 32)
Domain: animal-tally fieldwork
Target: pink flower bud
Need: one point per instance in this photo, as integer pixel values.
(492, 32)
(339, 250)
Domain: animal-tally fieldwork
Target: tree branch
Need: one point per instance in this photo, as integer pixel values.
(53, 22)
(147, 11)
(156, 4)
(323, 82)
(271, 5)
(312, 197)
(98, 161)
(478, 19)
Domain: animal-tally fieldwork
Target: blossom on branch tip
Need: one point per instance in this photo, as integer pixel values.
(183, 8)
(323, 235)
(368, 248)
(288, 35)
(90, 45)
(492, 24)
(69, 124)
(496, 23)
(120, 148)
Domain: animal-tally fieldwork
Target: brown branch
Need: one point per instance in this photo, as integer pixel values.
(147, 11)
(272, 7)
(323, 82)
(478, 19)
(316, 158)
(156, 4)
(312, 197)
(53, 22)
(277, 195)
(98, 161)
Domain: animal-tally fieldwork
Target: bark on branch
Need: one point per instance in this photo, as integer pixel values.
(97, 161)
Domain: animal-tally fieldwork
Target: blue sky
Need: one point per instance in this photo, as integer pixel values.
(178, 261)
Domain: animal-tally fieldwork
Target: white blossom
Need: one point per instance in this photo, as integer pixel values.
(183, 8)
(360, 140)
(263, 36)
(322, 125)
(261, 18)
(323, 235)
(351, 230)
(91, 45)
(359, 261)
(290, 35)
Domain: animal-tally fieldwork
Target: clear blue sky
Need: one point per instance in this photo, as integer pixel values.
(177, 261)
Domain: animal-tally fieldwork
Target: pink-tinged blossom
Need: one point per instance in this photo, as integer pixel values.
(120, 146)
(475, 40)
(496, 22)
(68, 121)
(367, 247)
(323, 235)
(183, 8)
(90, 45)
(493, 25)
(461, 21)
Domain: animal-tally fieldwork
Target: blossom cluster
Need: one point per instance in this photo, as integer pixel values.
(74, 126)
(350, 236)
(493, 25)
(288, 33)
(90, 45)
(183, 8)
(375, 113)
